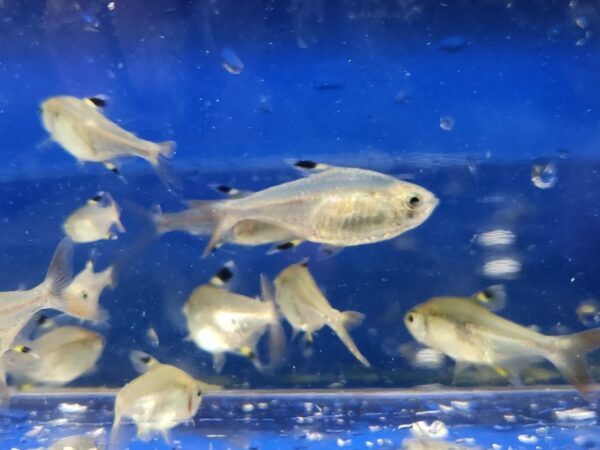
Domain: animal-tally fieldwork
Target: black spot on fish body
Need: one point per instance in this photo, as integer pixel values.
(224, 189)
(285, 246)
(224, 274)
(305, 164)
(97, 101)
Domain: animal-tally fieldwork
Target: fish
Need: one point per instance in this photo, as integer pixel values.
(79, 127)
(89, 285)
(55, 358)
(162, 397)
(89, 441)
(307, 310)
(220, 321)
(18, 307)
(246, 232)
(426, 443)
(471, 334)
(337, 206)
(98, 219)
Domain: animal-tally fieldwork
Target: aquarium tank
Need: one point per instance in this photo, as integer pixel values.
(299, 224)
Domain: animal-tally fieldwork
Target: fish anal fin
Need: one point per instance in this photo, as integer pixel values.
(459, 368)
(326, 251)
(222, 229)
(338, 325)
(218, 361)
(283, 246)
(512, 374)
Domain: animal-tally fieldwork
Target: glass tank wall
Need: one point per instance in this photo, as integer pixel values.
(336, 163)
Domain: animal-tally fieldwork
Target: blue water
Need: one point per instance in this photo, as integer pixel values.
(461, 98)
(354, 420)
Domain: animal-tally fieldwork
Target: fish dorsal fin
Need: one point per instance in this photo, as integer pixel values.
(96, 101)
(492, 297)
(102, 199)
(230, 191)
(308, 166)
(142, 362)
(223, 276)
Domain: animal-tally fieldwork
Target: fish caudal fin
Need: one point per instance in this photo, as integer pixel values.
(4, 396)
(58, 280)
(163, 169)
(277, 340)
(569, 358)
(343, 322)
(114, 431)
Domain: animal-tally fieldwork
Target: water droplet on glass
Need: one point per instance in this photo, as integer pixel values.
(231, 61)
(447, 123)
(544, 175)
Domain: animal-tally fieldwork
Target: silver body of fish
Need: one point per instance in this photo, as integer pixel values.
(98, 219)
(307, 310)
(220, 321)
(57, 357)
(18, 307)
(336, 206)
(158, 400)
(469, 333)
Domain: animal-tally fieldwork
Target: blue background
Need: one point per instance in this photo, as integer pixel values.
(516, 77)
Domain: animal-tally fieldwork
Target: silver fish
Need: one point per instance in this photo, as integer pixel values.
(88, 441)
(469, 333)
(18, 307)
(98, 219)
(307, 310)
(246, 232)
(79, 126)
(220, 321)
(337, 206)
(163, 397)
(89, 285)
(57, 357)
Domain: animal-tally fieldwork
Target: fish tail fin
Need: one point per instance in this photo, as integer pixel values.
(59, 276)
(569, 358)
(277, 340)
(163, 169)
(58, 280)
(341, 324)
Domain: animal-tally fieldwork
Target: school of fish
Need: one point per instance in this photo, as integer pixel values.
(334, 207)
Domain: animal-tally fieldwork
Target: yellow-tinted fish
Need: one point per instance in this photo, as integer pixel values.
(88, 441)
(57, 357)
(469, 333)
(307, 310)
(337, 206)
(220, 321)
(98, 219)
(79, 126)
(163, 397)
(18, 307)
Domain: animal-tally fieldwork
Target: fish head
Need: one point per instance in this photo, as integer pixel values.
(415, 321)
(49, 109)
(416, 202)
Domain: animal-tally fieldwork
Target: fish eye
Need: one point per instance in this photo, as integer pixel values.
(411, 318)
(414, 201)
(199, 393)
